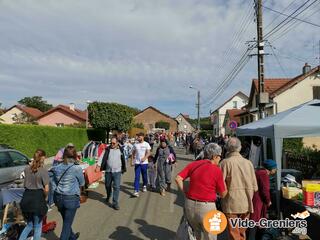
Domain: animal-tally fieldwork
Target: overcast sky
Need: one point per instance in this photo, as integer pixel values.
(142, 52)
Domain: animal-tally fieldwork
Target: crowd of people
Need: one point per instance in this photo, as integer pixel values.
(220, 177)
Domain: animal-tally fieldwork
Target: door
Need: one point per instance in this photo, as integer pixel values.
(6, 164)
(19, 162)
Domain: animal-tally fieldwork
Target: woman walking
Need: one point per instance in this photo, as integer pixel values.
(164, 165)
(68, 180)
(33, 203)
(206, 180)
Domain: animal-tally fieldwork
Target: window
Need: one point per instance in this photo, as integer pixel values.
(18, 159)
(5, 160)
(235, 104)
(60, 124)
(316, 92)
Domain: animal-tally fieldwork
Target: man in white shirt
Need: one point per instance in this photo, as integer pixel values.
(140, 154)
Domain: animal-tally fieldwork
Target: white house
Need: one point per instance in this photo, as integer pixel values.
(237, 101)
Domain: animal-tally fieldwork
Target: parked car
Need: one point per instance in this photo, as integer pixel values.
(12, 164)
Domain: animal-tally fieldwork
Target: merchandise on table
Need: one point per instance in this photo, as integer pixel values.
(311, 193)
(291, 192)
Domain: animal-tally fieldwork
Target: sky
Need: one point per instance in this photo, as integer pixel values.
(144, 52)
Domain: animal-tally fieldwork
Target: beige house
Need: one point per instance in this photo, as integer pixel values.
(237, 101)
(183, 124)
(16, 112)
(285, 94)
(63, 115)
(149, 116)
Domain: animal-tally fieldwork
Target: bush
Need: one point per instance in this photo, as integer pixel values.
(138, 125)
(162, 124)
(292, 144)
(27, 138)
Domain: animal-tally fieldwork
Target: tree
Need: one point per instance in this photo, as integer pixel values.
(1, 110)
(110, 116)
(24, 118)
(36, 102)
(162, 124)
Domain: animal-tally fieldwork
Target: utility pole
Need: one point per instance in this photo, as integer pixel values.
(263, 96)
(198, 107)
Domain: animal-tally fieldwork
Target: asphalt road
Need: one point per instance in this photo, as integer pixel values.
(150, 216)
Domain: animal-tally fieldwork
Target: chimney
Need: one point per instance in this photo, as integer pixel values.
(71, 106)
(306, 68)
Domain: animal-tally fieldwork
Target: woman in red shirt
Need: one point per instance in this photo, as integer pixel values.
(206, 180)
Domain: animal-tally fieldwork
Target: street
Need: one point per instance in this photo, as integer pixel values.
(148, 217)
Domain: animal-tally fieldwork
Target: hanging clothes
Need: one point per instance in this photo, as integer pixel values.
(255, 153)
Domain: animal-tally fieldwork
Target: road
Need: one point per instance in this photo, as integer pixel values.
(150, 216)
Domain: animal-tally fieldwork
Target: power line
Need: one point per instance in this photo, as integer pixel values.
(243, 26)
(279, 15)
(292, 25)
(313, 24)
(284, 23)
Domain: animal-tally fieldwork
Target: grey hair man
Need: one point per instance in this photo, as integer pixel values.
(241, 182)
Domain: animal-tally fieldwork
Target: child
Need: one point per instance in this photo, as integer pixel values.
(152, 173)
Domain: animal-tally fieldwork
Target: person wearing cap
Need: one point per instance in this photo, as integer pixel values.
(164, 166)
(262, 199)
(140, 155)
(241, 182)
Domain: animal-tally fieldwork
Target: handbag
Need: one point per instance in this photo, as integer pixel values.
(185, 231)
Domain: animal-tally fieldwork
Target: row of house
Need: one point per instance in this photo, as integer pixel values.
(59, 116)
(284, 93)
(63, 115)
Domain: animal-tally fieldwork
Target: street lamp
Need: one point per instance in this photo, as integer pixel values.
(198, 106)
(87, 113)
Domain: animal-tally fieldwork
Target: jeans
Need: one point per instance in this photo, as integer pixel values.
(114, 178)
(67, 206)
(140, 168)
(36, 224)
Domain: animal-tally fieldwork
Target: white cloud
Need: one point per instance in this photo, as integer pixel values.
(135, 52)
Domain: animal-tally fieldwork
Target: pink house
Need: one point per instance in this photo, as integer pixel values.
(62, 115)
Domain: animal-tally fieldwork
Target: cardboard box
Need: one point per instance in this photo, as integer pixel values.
(305, 182)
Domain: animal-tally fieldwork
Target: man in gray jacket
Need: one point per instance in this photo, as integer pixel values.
(113, 163)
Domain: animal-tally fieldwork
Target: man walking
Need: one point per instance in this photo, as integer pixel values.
(113, 163)
(140, 154)
(241, 183)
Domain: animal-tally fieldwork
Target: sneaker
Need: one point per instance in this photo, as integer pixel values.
(115, 207)
(144, 189)
(136, 194)
(77, 235)
(162, 192)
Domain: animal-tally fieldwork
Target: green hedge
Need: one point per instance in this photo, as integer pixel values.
(27, 138)
(162, 124)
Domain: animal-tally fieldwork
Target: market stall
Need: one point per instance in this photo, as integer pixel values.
(297, 122)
